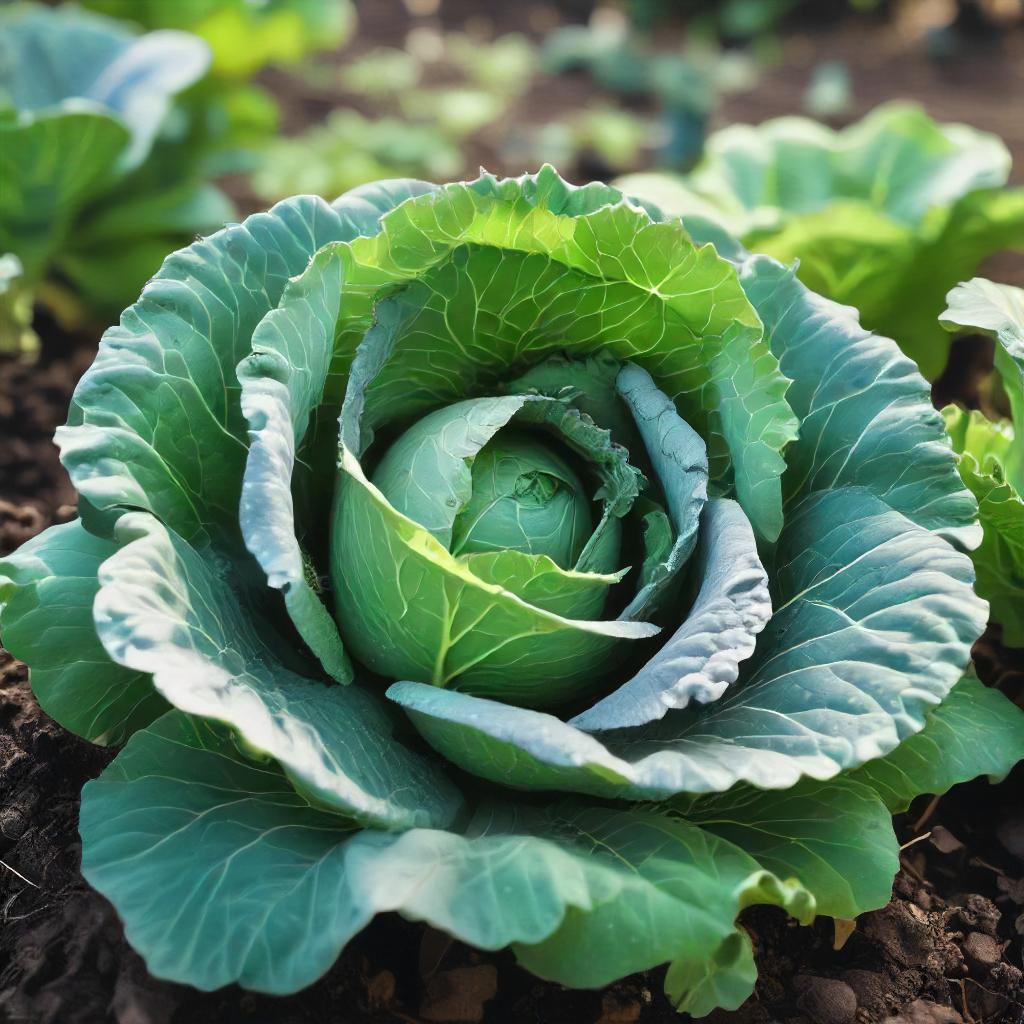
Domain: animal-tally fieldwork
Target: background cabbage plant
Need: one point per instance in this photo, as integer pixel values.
(498, 555)
(95, 192)
(991, 454)
(885, 215)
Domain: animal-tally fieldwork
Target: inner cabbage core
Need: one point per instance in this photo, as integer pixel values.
(525, 497)
(517, 492)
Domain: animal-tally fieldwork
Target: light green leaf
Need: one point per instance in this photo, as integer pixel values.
(874, 619)
(223, 873)
(702, 658)
(40, 194)
(426, 474)
(836, 837)
(866, 417)
(960, 240)
(724, 980)
(47, 589)
(120, 240)
(246, 37)
(975, 731)
(165, 608)
(985, 447)
(500, 268)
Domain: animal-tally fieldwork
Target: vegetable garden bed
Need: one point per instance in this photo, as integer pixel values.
(947, 949)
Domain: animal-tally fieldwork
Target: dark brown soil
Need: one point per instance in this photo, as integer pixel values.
(948, 949)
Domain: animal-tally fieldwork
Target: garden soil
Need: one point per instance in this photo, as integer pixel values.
(947, 949)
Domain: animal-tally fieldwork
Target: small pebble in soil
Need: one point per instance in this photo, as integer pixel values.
(982, 952)
(826, 1000)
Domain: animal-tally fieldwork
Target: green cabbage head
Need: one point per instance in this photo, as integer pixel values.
(499, 555)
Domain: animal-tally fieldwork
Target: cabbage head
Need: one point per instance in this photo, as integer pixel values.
(500, 555)
(886, 215)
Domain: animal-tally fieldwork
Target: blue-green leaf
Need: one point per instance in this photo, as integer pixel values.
(220, 871)
(47, 588)
(680, 460)
(156, 421)
(836, 837)
(702, 658)
(223, 873)
(975, 731)
(165, 608)
(866, 417)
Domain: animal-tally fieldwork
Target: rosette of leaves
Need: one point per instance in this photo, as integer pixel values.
(91, 194)
(991, 453)
(497, 555)
(885, 215)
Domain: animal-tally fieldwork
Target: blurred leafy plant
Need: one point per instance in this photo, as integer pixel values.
(229, 118)
(612, 138)
(686, 86)
(350, 149)
(420, 124)
(886, 215)
(97, 189)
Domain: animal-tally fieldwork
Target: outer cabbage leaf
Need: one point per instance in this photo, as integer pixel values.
(47, 588)
(866, 417)
(156, 421)
(892, 206)
(291, 428)
(851, 576)
(586, 895)
(168, 609)
(975, 731)
(835, 836)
